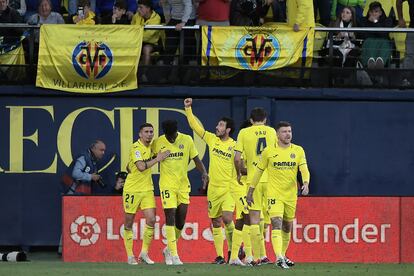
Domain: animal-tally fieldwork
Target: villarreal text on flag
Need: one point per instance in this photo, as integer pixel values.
(89, 59)
(256, 48)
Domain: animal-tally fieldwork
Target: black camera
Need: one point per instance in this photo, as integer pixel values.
(122, 175)
(101, 183)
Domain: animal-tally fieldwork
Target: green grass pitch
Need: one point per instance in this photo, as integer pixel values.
(49, 264)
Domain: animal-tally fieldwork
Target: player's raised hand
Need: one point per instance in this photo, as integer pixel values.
(188, 102)
(249, 196)
(162, 155)
(305, 189)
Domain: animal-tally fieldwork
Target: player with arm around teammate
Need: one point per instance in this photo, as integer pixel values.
(282, 162)
(139, 192)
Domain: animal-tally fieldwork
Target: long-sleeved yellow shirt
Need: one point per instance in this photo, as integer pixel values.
(300, 12)
(150, 36)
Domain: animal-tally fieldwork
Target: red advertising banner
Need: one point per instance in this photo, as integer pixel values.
(327, 229)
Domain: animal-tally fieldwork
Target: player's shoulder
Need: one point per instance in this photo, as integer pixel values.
(296, 147)
(185, 137)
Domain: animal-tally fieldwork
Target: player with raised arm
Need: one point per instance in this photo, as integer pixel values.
(174, 184)
(138, 192)
(222, 177)
(282, 162)
(251, 142)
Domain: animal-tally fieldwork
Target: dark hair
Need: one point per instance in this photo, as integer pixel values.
(282, 124)
(147, 3)
(121, 4)
(245, 123)
(169, 127)
(374, 5)
(83, 3)
(145, 125)
(229, 124)
(258, 114)
(353, 19)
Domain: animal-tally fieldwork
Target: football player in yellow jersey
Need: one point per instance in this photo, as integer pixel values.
(139, 191)
(251, 142)
(222, 177)
(282, 163)
(174, 184)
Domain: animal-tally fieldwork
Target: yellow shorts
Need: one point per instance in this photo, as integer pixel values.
(281, 209)
(239, 198)
(171, 198)
(219, 201)
(134, 201)
(258, 197)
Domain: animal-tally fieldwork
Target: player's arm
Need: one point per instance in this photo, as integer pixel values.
(303, 168)
(192, 121)
(200, 167)
(238, 164)
(257, 175)
(256, 178)
(144, 165)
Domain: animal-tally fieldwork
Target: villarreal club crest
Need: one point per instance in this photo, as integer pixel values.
(92, 60)
(257, 50)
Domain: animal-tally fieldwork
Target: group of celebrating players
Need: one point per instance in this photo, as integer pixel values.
(255, 178)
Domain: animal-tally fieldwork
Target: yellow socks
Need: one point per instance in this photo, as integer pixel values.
(218, 240)
(148, 235)
(246, 241)
(255, 240)
(171, 239)
(237, 240)
(177, 233)
(128, 242)
(277, 242)
(229, 228)
(262, 240)
(285, 242)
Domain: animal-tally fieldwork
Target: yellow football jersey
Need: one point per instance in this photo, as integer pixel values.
(221, 167)
(139, 181)
(282, 165)
(252, 141)
(174, 169)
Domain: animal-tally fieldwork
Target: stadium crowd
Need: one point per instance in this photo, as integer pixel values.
(364, 50)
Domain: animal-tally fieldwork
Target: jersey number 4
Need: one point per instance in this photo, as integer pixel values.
(261, 145)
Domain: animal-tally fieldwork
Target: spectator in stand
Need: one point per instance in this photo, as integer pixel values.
(248, 12)
(147, 16)
(279, 10)
(324, 8)
(33, 5)
(338, 5)
(213, 12)
(104, 9)
(73, 6)
(9, 15)
(19, 6)
(408, 62)
(376, 49)
(45, 15)
(85, 15)
(345, 50)
(118, 14)
(179, 13)
(298, 15)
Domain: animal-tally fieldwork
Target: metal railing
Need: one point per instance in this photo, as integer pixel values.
(322, 73)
